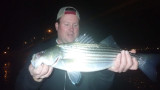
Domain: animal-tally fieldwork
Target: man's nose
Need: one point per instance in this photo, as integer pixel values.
(71, 28)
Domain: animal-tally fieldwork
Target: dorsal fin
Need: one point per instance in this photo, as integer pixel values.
(110, 42)
(84, 38)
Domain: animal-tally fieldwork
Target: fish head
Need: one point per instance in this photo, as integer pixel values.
(48, 57)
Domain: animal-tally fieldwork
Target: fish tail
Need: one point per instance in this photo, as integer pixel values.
(148, 64)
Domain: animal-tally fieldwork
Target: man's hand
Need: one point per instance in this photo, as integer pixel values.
(41, 72)
(124, 62)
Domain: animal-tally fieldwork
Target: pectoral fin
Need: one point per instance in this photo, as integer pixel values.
(75, 77)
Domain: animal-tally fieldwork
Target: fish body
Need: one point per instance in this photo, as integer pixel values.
(77, 57)
(87, 57)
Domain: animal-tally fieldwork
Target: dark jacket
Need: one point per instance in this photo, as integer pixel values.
(58, 80)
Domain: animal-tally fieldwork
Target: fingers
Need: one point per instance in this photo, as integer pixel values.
(128, 60)
(135, 64)
(40, 72)
(48, 73)
(116, 64)
(124, 62)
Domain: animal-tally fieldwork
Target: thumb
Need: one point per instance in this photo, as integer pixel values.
(132, 51)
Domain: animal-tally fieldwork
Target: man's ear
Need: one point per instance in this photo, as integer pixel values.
(56, 26)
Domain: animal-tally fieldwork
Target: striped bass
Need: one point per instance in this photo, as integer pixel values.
(84, 55)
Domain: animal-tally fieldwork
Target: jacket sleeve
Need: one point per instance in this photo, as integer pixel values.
(25, 81)
(102, 80)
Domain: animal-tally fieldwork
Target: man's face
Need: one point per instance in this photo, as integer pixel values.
(67, 28)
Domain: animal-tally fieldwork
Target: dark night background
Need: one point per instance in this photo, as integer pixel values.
(133, 24)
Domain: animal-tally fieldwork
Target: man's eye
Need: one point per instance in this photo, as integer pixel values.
(75, 25)
(66, 24)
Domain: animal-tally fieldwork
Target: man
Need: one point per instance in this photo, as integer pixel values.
(46, 77)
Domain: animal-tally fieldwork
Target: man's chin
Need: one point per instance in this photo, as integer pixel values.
(70, 40)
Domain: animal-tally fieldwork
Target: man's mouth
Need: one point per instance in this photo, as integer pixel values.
(70, 35)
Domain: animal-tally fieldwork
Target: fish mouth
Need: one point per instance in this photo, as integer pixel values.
(38, 55)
